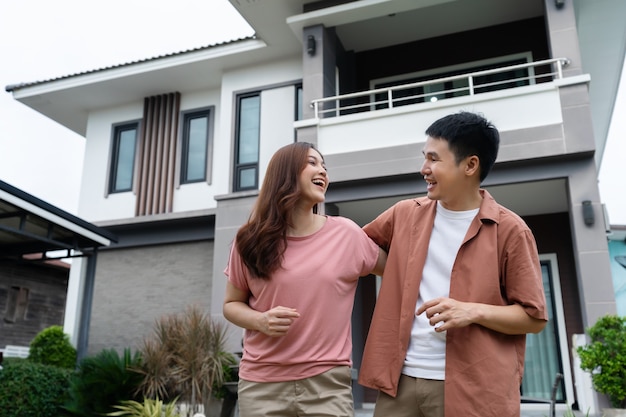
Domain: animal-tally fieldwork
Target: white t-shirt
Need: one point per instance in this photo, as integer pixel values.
(426, 355)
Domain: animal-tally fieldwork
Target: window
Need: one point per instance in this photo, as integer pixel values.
(16, 304)
(455, 88)
(298, 108)
(195, 146)
(299, 103)
(545, 350)
(123, 157)
(247, 142)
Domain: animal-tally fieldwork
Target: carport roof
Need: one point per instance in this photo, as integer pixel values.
(29, 225)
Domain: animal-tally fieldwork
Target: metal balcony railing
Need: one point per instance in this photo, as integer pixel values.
(469, 84)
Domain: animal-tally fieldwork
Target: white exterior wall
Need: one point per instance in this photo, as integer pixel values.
(277, 117)
(540, 105)
(277, 114)
(199, 195)
(275, 80)
(94, 204)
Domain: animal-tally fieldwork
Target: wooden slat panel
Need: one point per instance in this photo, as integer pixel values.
(170, 154)
(157, 158)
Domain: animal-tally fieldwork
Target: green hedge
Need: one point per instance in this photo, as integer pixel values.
(30, 389)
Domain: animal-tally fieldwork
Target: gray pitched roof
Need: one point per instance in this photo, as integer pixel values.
(13, 87)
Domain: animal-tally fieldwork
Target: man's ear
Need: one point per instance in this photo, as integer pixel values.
(472, 165)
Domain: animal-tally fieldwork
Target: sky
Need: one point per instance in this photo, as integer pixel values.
(43, 39)
(611, 176)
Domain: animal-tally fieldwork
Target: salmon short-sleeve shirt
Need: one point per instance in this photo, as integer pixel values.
(497, 264)
(318, 278)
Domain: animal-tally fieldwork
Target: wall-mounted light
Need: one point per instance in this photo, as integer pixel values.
(588, 215)
(559, 3)
(310, 45)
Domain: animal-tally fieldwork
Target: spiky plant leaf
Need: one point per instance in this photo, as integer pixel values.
(149, 408)
(102, 381)
(184, 357)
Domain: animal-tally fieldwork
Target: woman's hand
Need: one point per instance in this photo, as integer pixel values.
(277, 321)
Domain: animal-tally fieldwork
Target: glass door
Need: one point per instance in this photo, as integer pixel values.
(545, 351)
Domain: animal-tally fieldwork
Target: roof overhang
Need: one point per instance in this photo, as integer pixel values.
(68, 100)
(29, 226)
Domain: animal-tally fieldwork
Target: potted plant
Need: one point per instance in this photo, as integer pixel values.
(605, 358)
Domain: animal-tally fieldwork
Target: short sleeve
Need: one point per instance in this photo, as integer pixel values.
(235, 270)
(524, 281)
(365, 249)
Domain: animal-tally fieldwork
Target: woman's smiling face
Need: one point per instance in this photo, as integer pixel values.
(314, 178)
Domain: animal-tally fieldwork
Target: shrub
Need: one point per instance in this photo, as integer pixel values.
(29, 389)
(101, 382)
(605, 358)
(184, 358)
(52, 346)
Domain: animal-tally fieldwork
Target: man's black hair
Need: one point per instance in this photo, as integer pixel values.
(468, 134)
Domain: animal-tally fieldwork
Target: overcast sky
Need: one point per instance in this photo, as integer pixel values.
(612, 170)
(44, 39)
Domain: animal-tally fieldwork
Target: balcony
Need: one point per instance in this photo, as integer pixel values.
(513, 97)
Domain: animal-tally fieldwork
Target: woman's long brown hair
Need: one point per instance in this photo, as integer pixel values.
(262, 241)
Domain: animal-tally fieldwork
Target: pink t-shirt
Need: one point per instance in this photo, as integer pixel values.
(318, 277)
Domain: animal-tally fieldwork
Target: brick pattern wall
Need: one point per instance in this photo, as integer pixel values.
(136, 286)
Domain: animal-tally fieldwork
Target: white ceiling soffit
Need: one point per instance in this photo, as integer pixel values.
(369, 24)
(355, 12)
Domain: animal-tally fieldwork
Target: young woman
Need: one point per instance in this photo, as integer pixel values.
(292, 276)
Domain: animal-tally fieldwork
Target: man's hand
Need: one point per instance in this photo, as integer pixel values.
(447, 313)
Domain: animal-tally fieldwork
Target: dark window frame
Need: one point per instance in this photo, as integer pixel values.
(298, 107)
(114, 159)
(187, 116)
(299, 103)
(239, 168)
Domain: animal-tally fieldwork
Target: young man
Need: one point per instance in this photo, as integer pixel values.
(462, 287)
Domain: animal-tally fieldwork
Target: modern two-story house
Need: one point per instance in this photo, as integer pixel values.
(177, 146)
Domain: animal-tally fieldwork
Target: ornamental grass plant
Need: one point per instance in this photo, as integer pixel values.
(184, 358)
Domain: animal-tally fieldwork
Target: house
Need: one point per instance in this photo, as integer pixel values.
(36, 239)
(177, 145)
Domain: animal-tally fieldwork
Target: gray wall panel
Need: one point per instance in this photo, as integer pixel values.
(136, 286)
